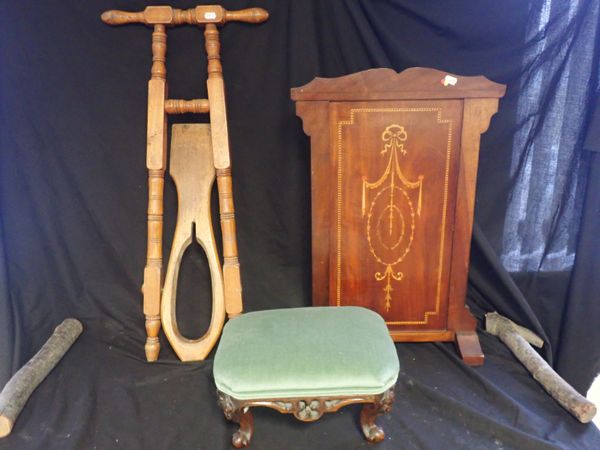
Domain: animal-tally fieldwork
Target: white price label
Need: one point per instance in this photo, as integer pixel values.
(449, 80)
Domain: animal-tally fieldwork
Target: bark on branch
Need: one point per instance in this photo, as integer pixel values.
(516, 339)
(15, 394)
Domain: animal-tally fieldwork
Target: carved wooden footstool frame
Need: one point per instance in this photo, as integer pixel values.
(306, 410)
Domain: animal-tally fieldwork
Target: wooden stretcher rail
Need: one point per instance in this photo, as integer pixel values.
(200, 15)
(196, 106)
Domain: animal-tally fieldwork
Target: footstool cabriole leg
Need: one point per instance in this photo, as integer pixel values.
(239, 413)
(370, 411)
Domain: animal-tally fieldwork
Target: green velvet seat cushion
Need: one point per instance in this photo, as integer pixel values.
(305, 352)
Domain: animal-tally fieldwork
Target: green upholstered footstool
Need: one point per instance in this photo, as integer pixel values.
(305, 362)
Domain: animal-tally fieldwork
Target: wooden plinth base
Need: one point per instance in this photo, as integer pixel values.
(469, 348)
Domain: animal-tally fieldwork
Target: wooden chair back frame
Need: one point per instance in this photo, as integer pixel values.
(159, 106)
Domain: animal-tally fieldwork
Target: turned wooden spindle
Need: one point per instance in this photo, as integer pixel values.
(196, 106)
(220, 144)
(156, 163)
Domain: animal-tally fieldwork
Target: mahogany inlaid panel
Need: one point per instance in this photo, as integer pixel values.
(393, 173)
(394, 166)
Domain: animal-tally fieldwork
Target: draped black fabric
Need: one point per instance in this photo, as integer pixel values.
(73, 216)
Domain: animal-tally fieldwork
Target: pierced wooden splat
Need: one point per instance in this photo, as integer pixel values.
(193, 172)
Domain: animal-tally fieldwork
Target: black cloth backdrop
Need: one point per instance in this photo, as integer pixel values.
(73, 224)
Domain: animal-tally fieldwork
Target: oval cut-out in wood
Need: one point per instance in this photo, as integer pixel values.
(194, 290)
(193, 172)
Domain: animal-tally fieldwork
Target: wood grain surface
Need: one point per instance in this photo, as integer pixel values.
(193, 172)
(394, 165)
